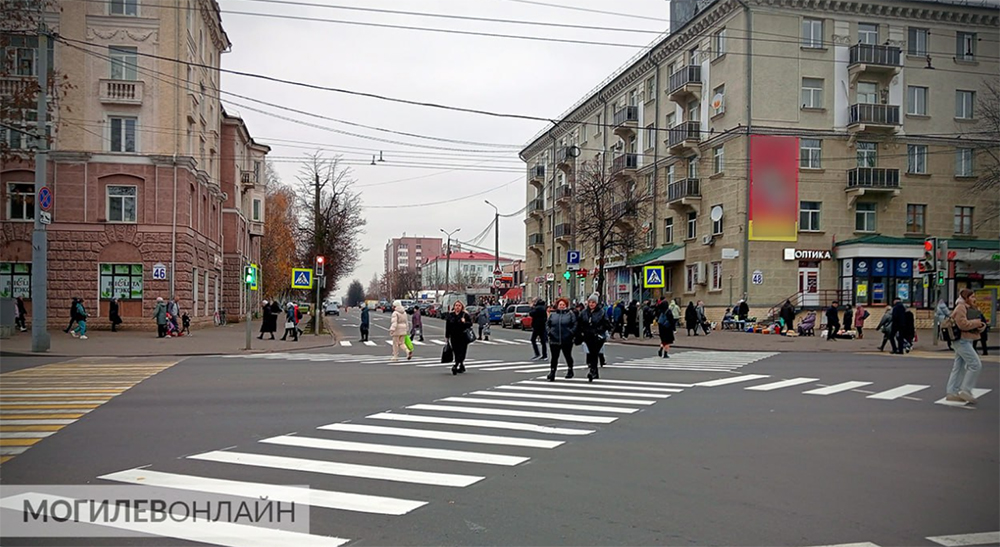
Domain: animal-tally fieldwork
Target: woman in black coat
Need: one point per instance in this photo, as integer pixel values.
(114, 314)
(456, 328)
(788, 314)
(631, 320)
(691, 319)
(593, 324)
(666, 322)
(269, 319)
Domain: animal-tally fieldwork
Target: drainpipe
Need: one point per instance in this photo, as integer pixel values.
(551, 289)
(173, 233)
(746, 226)
(177, 147)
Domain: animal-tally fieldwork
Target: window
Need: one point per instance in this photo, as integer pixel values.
(965, 46)
(718, 159)
(963, 220)
(812, 93)
(690, 277)
(864, 217)
(916, 100)
(650, 184)
(868, 33)
(915, 215)
(963, 104)
(867, 154)
(123, 281)
(671, 119)
(963, 162)
(916, 158)
(123, 62)
(692, 225)
(671, 173)
(123, 134)
(717, 224)
(916, 43)
(718, 100)
(812, 33)
(668, 230)
(716, 276)
(124, 7)
(694, 57)
(650, 89)
(121, 203)
(257, 216)
(650, 136)
(597, 125)
(693, 167)
(867, 93)
(668, 280)
(719, 43)
(810, 153)
(809, 216)
(15, 279)
(20, 201)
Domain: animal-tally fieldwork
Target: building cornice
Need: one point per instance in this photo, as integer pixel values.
(894, 9)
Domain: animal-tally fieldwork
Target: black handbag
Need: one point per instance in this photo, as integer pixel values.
(447, 354)
(470, 335)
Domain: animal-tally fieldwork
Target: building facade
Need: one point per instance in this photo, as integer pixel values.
(464, 269)
(784, 144)
(136, 171)
(409, 253)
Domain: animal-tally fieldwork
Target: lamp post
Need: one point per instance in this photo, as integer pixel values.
(496, 243)
(447, 262)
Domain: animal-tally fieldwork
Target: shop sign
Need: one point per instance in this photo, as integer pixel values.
(862, 291)
(904, 268)
(622, 288)
(550, 277)
(848, 267)
(861, 268)
(539, 279)
(880, 266)
(730, 254)
(807, 254)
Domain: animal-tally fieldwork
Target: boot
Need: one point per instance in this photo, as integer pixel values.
(569, 373)
(600, 356)
(461, 368)
(552, 374)
(593, 374)
(454, 370)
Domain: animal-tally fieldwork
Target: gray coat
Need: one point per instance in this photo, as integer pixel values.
(561, 325)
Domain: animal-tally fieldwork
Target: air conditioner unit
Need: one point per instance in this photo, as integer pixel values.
(707, 240)
(700, 275)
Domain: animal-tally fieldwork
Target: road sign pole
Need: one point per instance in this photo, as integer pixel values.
(246, 288)
(316, 312)
(40, 341)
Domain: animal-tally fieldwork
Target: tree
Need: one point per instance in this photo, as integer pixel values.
(404, 283)
(355, 294)
(374, 291)
(608, 209)
(987, 186)
(278, 253)
(331, 216)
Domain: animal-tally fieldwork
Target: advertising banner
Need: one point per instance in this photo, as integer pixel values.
(774, 188)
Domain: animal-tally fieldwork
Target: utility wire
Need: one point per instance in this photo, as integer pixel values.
(575, 8)
(454, 200)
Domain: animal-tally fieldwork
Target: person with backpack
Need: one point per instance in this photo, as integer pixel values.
(80, 313)
(860, 314)
(291, 323)
(940, 314)
(666, 321)
(365, 322)
(965, 371)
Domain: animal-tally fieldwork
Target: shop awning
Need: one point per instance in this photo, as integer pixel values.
(670, 253)
(880, 246)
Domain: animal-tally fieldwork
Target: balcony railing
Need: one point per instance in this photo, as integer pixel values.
(563, 155)
(248, 178)
(563, 230)
(257, 229)
(686, 188)
(534, 240)
(624, 162)
(536, 206)
(564, 192)
(15, 85)
(684, 131)
(873, 177)
(538, 172)
(121, 91)
(874, 114)
(623, 208)
(873, 54)
(686, 75)
(626, 115)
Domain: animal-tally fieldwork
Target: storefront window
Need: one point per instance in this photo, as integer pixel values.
(15, 280)
(122, 281)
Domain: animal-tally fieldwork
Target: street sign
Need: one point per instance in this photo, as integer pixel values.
(497, 283)
(652, 277)
(45, 217)
(573, 257)
(302, 278)
(550, 277)
(256, 277)
(45, 198)
(757, 278)
(159, 271)
(730, 254)
(497, 272)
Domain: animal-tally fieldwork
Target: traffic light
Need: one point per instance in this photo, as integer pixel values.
(320, 261)
(928, 264)
(250, 275)
(581, 273)
(567, 275)
(940, 278)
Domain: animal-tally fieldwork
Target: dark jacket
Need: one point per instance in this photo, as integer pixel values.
(561, 325)
(416, 321)
(113, 312)
(483, 318)
(364, 318)
(848, 319)
(593, 324)
(898, 316)
(788, 313)
(691, 316)
(538, 316)
(454, 328)
(269, 320)
(832, 317)
(743, 310)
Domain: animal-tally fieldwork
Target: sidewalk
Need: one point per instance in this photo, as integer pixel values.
(207, 341)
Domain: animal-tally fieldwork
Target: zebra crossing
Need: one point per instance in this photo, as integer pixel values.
(699, 361)
(905, 391)
(489, 365)
(954, 540)
(520, 421)
(439, 342)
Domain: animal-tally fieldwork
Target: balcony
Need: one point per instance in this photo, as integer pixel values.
(17, 86)
(564, 158)
(536, 176)
(256, 229)
(626, 121)
(564, 193)
(625, 165)
(536, 207)
(873, 117)
(684, 137)
(685, 85)
(874, 59)
(623, 209)
(685, 192)
(563, 231)
(536, 243)
(862, 180)
(121, 92)
(248, 179)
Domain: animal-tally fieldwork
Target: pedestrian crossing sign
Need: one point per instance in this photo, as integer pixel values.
(652, 277)
(302, 278)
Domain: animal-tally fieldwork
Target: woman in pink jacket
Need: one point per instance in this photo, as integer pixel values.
(860, 314)
(967, 366)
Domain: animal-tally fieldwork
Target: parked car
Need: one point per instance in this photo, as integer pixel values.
(526, 323)
(384, 306)
(332, 309)
(434, 310)
(473, 312)
(514, 316)
(495, 313)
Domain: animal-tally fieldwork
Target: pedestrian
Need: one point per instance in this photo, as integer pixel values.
(909, 332)
(983, 337)
(291, 322)
(631, 320)
(593, 326)
(898, 321)
(185, 324)
(539, 315)
(561, 325)
(848, 317)
(965, 371)
(691, 319)
(787, 314)
(365, 322)
(268, 320)
(20, 314)
(483, 320)
(398, 327)
(666, 321)
(675, 310)
(702, 318)
(940, 314)
(160, 314)
(860, 314)
(647, 320)
(417, 325)
(885, 326)
(618, 320)
(114, 314)
(72, 315)
(742, 310)
(174, 313)
(81, 320)
(458, 332)
(832, 321)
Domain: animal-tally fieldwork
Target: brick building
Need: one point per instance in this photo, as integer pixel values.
(409, 253)
(145, 167)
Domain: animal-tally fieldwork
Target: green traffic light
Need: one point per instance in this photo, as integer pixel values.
(940, 278)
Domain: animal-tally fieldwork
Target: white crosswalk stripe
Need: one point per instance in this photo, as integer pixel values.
(703, 361)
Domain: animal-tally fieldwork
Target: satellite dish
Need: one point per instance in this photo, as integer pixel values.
(716, 214)
(717, 101)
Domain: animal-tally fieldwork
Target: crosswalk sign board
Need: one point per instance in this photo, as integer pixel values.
(652, 277)
(302, 278)
(256, 277)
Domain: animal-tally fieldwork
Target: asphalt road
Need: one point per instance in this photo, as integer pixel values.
(673, 463)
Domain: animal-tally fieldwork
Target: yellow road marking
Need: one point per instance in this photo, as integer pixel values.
(5, 458)
(5, 417)
(18, 442)
(45, 407)
(56, 391)
(31, 427)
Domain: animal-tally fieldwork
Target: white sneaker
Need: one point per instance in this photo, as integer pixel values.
(75, 335)
(84, 337)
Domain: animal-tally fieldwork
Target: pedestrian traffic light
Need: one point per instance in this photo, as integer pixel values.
(567, 275)
(320, 261)
(928, 264)
(250, 275)
(940, 278)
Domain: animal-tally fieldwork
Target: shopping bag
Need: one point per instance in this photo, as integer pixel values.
(409, 343)
(289, 325)
(447, 354)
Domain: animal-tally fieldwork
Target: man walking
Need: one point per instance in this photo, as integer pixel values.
(897, 327)
(832, 321)
(160, 314)
(538, 334)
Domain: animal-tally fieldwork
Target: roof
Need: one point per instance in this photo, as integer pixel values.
(878, 239)
(652, 256)
(979, 244)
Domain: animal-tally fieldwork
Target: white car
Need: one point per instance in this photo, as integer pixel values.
(332, 309)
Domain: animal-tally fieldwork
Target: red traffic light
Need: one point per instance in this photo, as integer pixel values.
(928, 245)
(319, 259)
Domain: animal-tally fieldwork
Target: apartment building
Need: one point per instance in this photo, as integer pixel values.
(794, 149)
(147, 191)
(465, 269)
(410, 253)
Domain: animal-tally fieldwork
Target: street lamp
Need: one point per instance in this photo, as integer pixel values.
(447, 263)
(496, 238)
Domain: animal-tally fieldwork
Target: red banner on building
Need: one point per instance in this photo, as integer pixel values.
(774, 188)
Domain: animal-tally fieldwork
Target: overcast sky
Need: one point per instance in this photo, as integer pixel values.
(486, 73)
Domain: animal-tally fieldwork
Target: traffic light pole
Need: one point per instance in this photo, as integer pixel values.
(246, 289)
